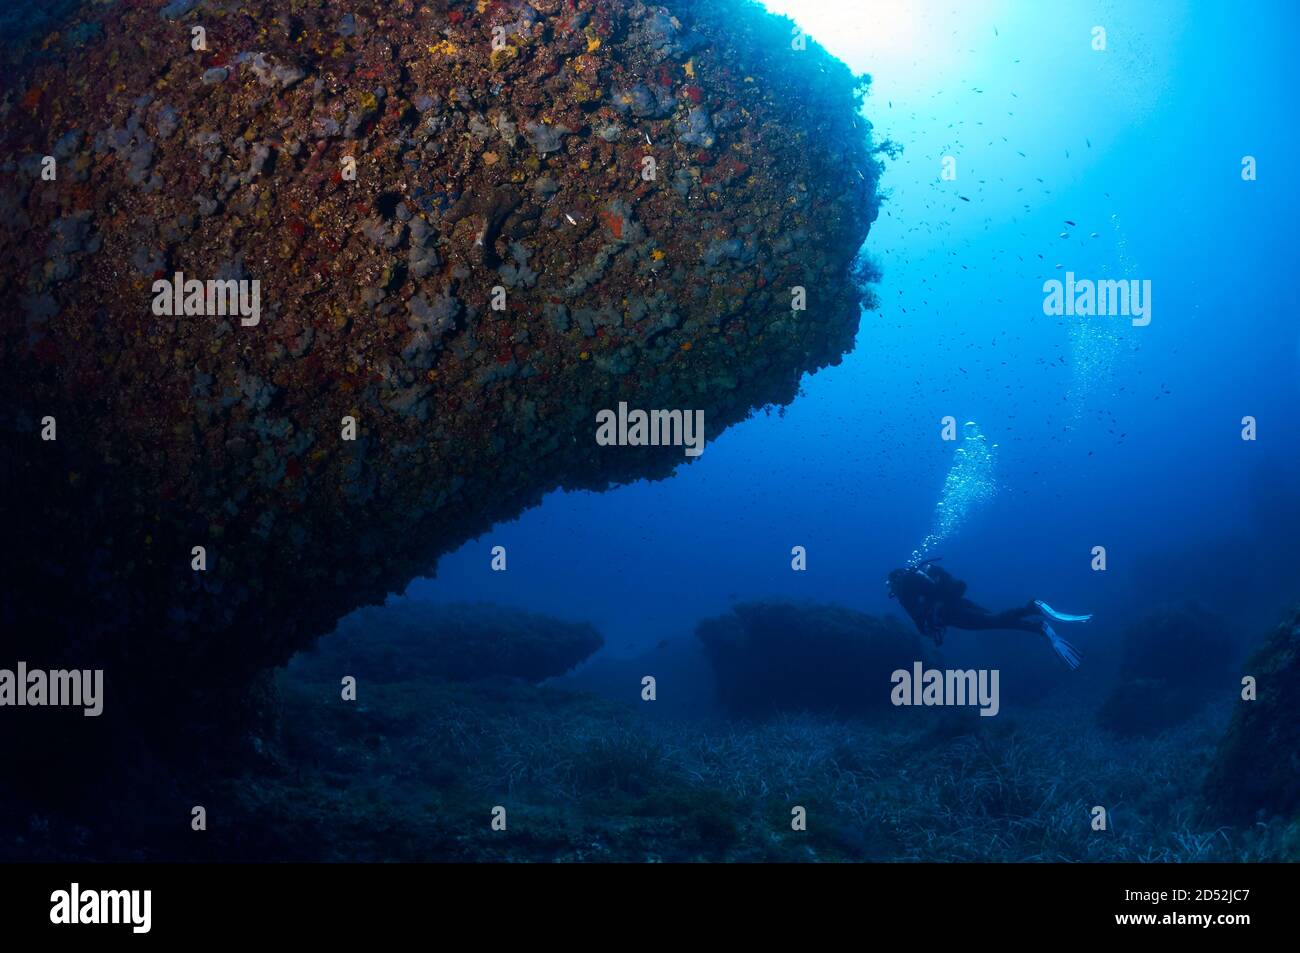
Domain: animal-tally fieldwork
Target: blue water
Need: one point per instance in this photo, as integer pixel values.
(1106, 434)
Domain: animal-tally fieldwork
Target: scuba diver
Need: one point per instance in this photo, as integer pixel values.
(935, 599)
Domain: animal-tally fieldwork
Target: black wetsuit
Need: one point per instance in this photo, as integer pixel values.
(935, 599)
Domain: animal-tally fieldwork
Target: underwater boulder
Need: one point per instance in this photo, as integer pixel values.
(787, 656)
(1174, 661)
(684, 683)
(411, 641)
(199, 483)
(1144, 706)
(1256, 769)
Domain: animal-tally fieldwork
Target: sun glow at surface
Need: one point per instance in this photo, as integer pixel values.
(910, 44)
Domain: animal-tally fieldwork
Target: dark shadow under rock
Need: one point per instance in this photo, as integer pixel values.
(415, 640)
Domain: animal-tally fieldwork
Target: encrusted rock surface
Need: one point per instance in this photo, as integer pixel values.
(496, 144)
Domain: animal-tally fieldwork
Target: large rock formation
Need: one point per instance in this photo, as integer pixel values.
(1257, 768)
(638, 186)
(789, 656)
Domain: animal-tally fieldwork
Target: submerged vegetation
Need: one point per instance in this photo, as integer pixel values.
(413, 769)
(418, 769)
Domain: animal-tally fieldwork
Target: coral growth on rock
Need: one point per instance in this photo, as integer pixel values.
(494, 145)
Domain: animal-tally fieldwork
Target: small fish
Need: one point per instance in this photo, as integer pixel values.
(1070, 223)
(1093, 235)
(1065, 234)
(963, 198)
(572, 220)
(647, 140)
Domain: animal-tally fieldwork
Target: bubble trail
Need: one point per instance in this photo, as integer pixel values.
(970, 485)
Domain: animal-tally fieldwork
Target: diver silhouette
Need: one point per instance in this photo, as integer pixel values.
(935, 600)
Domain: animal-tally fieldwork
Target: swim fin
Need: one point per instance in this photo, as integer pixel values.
(1069, 654)
(1047, 610)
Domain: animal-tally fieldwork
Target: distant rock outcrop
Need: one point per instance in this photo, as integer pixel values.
(684, 683)
(416, 640)
(785, 656)
(1174, 661)
(1257, 767)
